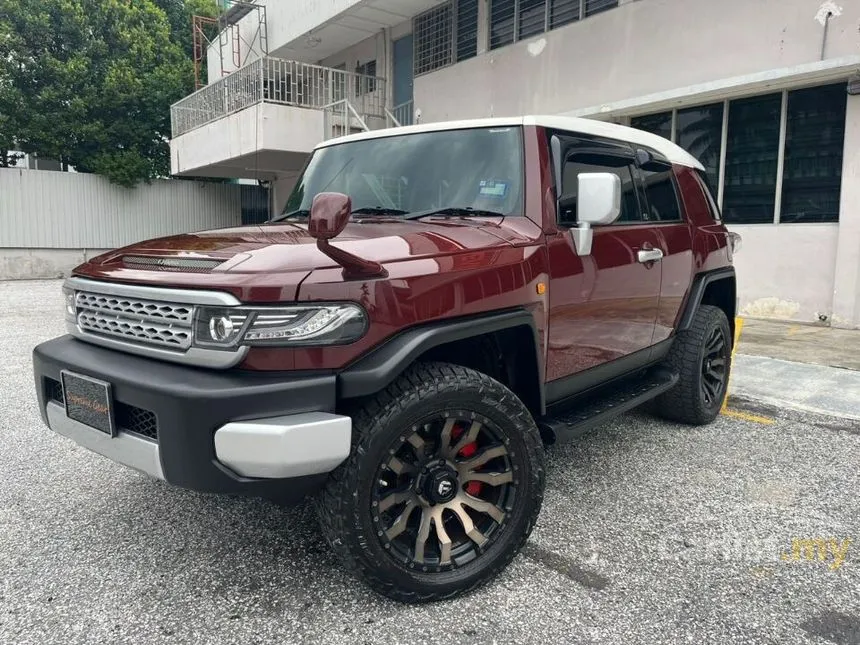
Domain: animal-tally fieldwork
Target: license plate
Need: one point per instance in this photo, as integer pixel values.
(88, 401)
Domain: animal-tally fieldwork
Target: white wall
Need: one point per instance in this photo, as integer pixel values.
(786, 271)
(640, 48)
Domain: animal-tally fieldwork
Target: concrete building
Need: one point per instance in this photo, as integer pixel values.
(765, 92)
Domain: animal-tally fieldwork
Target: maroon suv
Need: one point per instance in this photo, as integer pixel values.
(433, 305)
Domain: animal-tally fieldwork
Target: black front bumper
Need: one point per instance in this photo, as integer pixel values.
(189, 405)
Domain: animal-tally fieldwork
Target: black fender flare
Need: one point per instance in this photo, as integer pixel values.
(376, 370)
(697, 291)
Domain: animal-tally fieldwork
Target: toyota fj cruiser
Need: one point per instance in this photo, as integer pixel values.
(434, 304)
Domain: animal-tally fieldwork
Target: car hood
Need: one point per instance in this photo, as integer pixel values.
(289, 248)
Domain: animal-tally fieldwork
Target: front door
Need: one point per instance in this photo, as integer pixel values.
(603, 306)
(403, 80)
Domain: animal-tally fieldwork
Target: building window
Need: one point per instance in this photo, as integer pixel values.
(512, 20)
(467, 29)
(532, 18)
(563, 12)
(502, 14)
(596, 6)
(367, 79)
(757, 179)
(812, 170)
(699, 131)
(432, 33)
(444, 35)
(659, 124)
(752, 155)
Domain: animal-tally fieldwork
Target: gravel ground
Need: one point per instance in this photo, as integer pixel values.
(650, 533)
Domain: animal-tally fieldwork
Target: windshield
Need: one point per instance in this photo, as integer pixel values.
(479, 168)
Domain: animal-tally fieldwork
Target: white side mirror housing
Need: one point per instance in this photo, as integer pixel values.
(598, 202)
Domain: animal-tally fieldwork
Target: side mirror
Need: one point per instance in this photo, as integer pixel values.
(329, 215)
(598, 202)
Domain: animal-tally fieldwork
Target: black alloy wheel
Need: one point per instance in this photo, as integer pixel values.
(445, 491)
(714, 364)
(702, 357)
(442, 487)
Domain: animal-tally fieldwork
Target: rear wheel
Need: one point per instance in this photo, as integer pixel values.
(702, 357)
(442, 487)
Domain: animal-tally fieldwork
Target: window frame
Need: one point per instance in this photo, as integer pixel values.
(610, 148)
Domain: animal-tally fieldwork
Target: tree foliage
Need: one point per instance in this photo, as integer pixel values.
(90, 82)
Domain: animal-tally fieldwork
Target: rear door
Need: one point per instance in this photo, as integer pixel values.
(663, 212)
(603, 306)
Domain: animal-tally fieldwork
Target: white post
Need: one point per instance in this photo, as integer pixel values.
(846, 284)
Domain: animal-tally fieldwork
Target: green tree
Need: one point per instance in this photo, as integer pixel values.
(179, 13)
(90, 82)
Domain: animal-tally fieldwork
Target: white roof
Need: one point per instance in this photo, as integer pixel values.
(674, 153)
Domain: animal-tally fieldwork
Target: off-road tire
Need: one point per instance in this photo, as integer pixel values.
(686, 402)
(344, 505)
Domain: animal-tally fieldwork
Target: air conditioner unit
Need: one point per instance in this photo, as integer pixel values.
(854, 85)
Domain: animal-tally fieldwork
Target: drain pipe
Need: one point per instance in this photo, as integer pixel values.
(824, 37)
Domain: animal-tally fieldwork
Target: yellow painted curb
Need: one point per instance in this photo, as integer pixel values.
(737, 414)
(739, 325)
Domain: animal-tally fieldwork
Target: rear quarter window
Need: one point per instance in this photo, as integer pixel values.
(661, 195)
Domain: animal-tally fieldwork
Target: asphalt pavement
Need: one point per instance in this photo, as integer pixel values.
(739, 532)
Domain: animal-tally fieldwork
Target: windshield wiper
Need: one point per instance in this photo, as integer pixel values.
(302, 212)
(378, 210)
(454, 211)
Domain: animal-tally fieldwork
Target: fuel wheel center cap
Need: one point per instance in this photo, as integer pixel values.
(439, 484)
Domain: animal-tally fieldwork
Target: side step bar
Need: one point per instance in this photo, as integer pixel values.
(606, 404)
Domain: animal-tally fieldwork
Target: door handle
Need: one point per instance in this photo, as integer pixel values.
(649, 255)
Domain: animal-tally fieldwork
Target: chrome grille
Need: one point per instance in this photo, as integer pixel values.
(146, 320)
(132, 307)
(141, 321)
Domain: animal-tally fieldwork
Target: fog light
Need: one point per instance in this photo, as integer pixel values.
(69, 299)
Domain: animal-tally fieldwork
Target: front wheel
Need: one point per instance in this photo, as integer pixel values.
(442, 487)
(702, 357)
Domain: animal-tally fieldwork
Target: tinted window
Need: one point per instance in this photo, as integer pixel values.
(659, 124)
(602, 163)
(480, 168)
(752, 150)
(700, 132)
(814, 141)
(661, 196)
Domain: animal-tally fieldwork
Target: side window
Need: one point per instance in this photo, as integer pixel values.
(579, 163)
(661, 195)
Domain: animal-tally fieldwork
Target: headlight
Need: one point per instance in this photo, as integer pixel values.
(228, 327)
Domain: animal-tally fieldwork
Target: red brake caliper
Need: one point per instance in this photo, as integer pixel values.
(472, 488)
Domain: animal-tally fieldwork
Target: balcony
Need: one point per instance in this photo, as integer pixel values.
(262, 120)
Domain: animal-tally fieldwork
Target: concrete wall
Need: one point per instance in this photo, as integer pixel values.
(229, 147)
(52, 221)
(640, 48)
(786, 271)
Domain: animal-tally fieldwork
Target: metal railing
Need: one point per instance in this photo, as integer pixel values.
(286, 82)
(403, 114)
